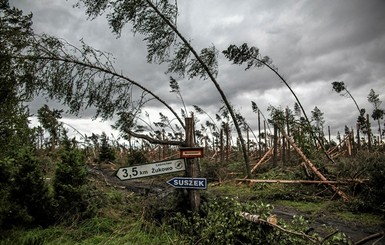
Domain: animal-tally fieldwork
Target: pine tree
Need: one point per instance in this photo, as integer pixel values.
(106, 153)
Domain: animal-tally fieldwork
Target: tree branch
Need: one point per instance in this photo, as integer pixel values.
(156, 141)
(379, 235)
(101, 69)
(256, 219)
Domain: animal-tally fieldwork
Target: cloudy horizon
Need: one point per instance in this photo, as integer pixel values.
(313, 43)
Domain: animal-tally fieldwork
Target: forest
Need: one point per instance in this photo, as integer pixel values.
(288, 181)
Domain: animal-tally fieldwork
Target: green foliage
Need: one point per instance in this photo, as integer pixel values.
(7, 171)
(371, 166)
(95, 231)
(374, 192)
(244, 54)
(30, 189)
(338, 86)
(15, 30)
(136, 157)
(49, 120)
(22, 185)
(75, 198)
(221, 223)
(25, 199)
(144, 20)
(106, 152)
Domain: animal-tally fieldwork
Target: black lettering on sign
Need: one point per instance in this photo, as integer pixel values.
(125, 173)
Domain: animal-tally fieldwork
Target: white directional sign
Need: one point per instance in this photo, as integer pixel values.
(188, 182)
(151, 169)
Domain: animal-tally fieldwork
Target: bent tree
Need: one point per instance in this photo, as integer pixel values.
(377, 113)
(252, 57)
(362, 123)
(82, 77)
(165, 44)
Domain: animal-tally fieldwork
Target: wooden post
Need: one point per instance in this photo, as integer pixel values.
(192, 170)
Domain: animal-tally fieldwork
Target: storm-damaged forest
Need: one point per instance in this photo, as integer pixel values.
(289, 180)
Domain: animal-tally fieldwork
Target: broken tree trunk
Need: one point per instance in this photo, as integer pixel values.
(262, 160)
(344, 182)
(267, 154)
(315, 170)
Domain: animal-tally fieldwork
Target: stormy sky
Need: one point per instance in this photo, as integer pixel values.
(312, 42)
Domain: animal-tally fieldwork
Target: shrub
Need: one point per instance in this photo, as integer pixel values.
(73, 194)
(371, 166)
(222, 224)
(106, 153)
(26, 197)
(136, 157)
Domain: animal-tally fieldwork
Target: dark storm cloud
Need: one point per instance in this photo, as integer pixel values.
(311, 42)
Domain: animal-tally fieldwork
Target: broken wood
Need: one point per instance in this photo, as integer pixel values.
(267, 154)
(315, 170)
(379, 235)
(344, 182)
(257, 219)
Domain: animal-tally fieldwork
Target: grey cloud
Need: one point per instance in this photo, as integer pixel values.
(312, 42)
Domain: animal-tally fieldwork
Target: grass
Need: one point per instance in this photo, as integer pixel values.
(304, 206)
(126, 217)
(96, 231)
(363, 218)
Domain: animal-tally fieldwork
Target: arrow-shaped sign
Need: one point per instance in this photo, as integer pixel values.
(191, 183)
(151, 169)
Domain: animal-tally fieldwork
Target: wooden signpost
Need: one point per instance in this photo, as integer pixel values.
(187, 162)
(192, 170)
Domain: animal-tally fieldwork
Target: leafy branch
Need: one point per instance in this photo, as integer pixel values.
(82, 77)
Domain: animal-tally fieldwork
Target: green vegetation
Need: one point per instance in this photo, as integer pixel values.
(96, 231)
(133, 218)
(55, 191)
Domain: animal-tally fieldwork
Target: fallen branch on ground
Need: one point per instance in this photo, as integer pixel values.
(256, 219)
(344, 182)
(379, 235)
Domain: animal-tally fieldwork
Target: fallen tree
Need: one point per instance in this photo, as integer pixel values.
(338, 182)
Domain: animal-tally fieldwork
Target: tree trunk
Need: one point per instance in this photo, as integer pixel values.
(192, 167)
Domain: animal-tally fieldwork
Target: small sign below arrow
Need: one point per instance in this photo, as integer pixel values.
(191, 183)
(191, 152)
